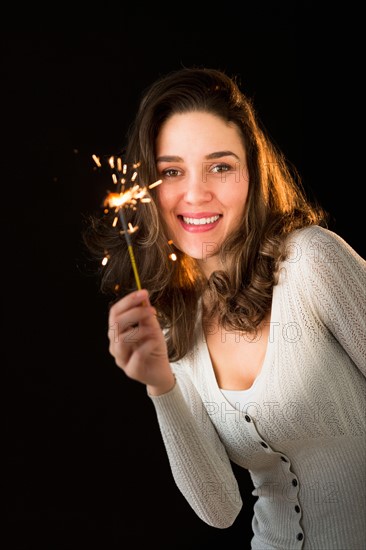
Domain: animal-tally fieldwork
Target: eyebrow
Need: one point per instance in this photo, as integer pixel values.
(215, 155)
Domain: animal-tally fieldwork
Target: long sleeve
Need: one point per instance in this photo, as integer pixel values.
(336, 288)
(198, 460)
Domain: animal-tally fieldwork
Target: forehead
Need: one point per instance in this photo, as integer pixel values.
(198, 129)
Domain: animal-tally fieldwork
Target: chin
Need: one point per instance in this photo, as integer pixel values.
(201, 254)
(200, 250)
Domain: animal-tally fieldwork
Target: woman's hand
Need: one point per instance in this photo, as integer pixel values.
(137, 342)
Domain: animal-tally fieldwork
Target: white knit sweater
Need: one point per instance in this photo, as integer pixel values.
(302, 436)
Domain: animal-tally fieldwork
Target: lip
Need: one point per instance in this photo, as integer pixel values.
(199, 228)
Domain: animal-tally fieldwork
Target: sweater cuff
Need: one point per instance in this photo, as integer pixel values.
(171, 406)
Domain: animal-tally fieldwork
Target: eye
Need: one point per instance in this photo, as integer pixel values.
(222, 167)
(170, 173)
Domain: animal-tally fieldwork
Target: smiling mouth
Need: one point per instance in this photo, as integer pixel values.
(199, 221)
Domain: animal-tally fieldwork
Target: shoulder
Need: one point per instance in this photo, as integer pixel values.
(306, 237)
(320, 263)
(315, 245)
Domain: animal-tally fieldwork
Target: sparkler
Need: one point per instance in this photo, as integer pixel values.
(127, 195)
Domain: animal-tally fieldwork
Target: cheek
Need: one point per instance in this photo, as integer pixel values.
(243, 191)
(236, 205)
(242, 198)
(165, 203)
(165, 199)
(235, 199)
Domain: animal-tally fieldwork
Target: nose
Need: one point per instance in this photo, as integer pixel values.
(197, 189)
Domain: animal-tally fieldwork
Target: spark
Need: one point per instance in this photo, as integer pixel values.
(128, 194)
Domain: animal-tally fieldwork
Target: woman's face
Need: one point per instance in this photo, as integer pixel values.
(202, 163)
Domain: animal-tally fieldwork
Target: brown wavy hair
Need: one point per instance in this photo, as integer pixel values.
(240, 294)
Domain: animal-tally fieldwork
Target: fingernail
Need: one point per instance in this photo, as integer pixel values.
(141, 294)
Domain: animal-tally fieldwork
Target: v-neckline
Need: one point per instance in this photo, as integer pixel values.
(207, 357)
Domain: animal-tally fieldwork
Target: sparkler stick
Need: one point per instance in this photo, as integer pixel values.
(130, 249)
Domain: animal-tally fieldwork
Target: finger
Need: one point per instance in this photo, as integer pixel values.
(141, 355)
(127, 302)
(123, 345)
(125, 321)
(132, 349)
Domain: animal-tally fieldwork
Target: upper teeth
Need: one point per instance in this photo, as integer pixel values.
(200, 221)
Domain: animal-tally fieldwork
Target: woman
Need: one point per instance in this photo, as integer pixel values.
(252, 344)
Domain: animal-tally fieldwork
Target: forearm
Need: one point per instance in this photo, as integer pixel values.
(199, 463)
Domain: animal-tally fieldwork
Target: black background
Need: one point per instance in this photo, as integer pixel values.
(85, 464)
